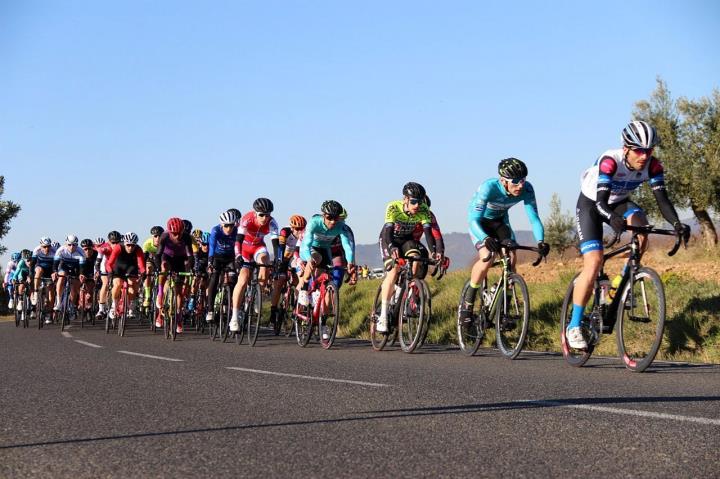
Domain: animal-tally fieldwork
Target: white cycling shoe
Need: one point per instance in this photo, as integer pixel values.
(575, 338)
(381, 325)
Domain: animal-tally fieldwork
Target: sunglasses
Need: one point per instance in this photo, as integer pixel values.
(155, 236)
(516, 181)
(643, 151)
(86, 247)
(262, 215)
(45, 246)
(415, 201)
(332, 218)
(228, 225)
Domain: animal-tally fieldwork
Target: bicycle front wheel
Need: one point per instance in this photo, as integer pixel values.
(123, 316)
(254, 313)
(574, 357)
(377, 339)
(414, 314)
(331, 317)
(641, 320)
(303, 324)
(512, 317)
(470, 329)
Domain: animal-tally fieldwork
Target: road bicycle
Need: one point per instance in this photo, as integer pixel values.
(197, 315)
(169, 312)
(22, 315)
(43, 310)
(222, 304)
(67, 309)
(408, 312)
(86, 306)
(321, 314)
(251, 312)
(284, 322)
(122, 306)
(638, 307)
(506, 301)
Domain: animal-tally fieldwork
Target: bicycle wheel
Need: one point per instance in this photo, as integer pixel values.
(122, 317)
(377, 339)
(17, 314)
(303, 324)
(512, 317)
(26, 307)
(574, 357)
(470, 331)
(414, 313)
(62, 315)
(254, 313)
(226, 316)
(641, 319)
(331, 317)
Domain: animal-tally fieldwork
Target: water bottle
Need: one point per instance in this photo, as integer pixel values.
(604, 291)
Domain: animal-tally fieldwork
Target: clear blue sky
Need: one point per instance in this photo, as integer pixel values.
(117, 115)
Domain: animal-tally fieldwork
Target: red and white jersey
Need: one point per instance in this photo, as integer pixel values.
(254, 234)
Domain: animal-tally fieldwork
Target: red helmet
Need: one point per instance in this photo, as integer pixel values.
(175, 225)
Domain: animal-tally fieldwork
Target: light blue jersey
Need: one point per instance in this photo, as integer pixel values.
(492, 202)
(317, 235)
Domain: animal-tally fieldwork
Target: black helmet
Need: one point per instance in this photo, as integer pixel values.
(86, 243)
(427, 201)
(157, 230)
(263, 205)
(512, 168)
(414, 190)
(332, 208)
(238, 215)
(26, 254)
(114, 236)
(188, 226)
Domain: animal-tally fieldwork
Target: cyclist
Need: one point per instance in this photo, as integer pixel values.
(67, 265)
(315, 252)
(127, 262)
(42, 266)
(220, 253)
(88, 270)
(288, 238)
(21, 275)
(104, 249)
(150, 250)
(200, 267)
(490, 223)
(397, 240)
(7, 282)
(604, 198)
(174, 254)
(250, 246)
(337, 252)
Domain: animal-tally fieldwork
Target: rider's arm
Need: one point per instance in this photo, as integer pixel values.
(140, 260)
(110, 263)
(56, 261)
(437, 234)
(607, 167)
(282, 241)
(274, 233)
(532, 213)
(348, 243)
(657, 184)
(239, 238)
(476, 208)
(211, 243)
(307, 240)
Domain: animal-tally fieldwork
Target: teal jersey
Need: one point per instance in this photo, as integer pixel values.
(317, 235)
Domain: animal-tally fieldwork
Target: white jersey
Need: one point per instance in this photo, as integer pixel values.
(611, 171)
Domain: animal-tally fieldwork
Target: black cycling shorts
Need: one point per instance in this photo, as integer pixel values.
(589, 222)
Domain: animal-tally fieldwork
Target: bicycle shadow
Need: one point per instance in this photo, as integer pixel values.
(684, 328)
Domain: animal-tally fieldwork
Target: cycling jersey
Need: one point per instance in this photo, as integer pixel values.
(288, 243)
(336, 248)
(399, 226)
(126, 263)
(42, 259)
(319, 236)
(103, 250)
(9, 270)
(201, 261)
(67, 260)
(89, 265)
(435, 229)
(221, 244)
(174, 249)
(21, 270)
(149, 246)
(252, 233)
(491, 202)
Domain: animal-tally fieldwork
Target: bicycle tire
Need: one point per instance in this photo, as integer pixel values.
(62, 315)
(123, 317)
(303, 327)
(26, 310)
(16, 313)
(377, 340)
(253, 315)
(414, 312)
(639, 337)
(511, 325)
(574, 357)
(331, 320)
(470, 332)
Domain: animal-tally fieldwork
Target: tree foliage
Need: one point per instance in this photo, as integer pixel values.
(559, 227)
(8, 211)
(689, 132)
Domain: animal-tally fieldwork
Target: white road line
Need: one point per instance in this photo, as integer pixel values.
(88, 344)
(150, 356)
(316, 378)
(631, 412)
(66, 334)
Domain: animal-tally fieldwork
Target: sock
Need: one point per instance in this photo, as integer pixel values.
(383, 308)
(577, 315)
(471, 293)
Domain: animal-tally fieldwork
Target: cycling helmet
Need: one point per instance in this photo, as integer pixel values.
(427, 201)
(413, 190)
(157, 230)
(263, 205)
(175, 225)
(236, 211)
(332, 208)
(26, 254)
(15, 257)
(228, 217)
(197, 233)
(130, 238)
(56, 245)
(639, 134)
(99, 240)
(512, 169)
(187, 226)
(86, 243)
(298, 222)
(343, 215)
(205, 238)
(114, 236)
(71, 239)
(45, 241)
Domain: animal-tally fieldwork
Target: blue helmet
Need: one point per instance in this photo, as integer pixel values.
(205, 238)
(15, 257)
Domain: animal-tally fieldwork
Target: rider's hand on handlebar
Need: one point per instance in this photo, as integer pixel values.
(617, 223)
(394, 253)
(352, 272)
(543, 248)
(491, 244)
(682, 230)
(238, 262)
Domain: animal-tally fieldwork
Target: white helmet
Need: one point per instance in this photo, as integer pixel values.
(130, 238)
(228, 217)
(71, 239)
(639, 134)
(45, 241)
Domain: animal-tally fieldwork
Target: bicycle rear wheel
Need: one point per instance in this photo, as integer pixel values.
(26, 307)
(512, 320)
(123, 314)
(330, 320)
(254, 313)
(471, 330)
(574, 357)
(414, 315)
(641, 320)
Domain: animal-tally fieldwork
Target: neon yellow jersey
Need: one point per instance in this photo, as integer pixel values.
(195, 245)
(149, 246)
(403, 223)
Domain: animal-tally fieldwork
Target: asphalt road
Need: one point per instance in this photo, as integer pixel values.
(93, 405)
